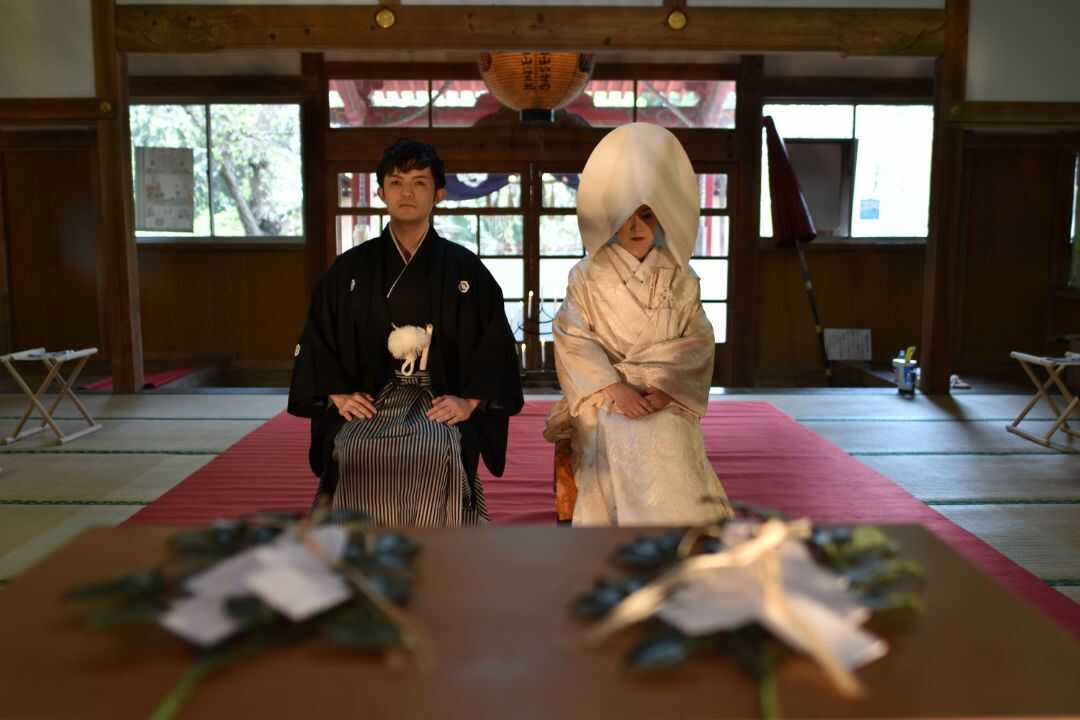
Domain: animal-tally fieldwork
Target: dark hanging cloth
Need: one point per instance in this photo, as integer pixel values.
(343, 345)
(471, 186)
(790, 215)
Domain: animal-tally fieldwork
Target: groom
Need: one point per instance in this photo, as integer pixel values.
(409, 275)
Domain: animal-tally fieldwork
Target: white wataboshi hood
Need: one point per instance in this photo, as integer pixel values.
(634, 165)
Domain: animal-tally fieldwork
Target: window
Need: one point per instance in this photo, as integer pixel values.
(461, 103)
(710, 260)
(889, 194)
(482, 211)
(561, 246)
(379, 103)
(605, 103)
(369, 103)
(240, 176)
(686, 103)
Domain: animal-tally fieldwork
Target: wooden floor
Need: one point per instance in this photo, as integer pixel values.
(952, 453)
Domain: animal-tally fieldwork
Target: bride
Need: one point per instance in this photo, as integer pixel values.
(633, 347)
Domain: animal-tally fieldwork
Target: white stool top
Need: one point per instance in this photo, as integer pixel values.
(1070, 358)
(41, 354)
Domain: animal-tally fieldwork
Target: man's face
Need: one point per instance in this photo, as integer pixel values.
(410, 195)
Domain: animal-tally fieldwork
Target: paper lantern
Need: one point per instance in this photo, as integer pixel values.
(536, 83)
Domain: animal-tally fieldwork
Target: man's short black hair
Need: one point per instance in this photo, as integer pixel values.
(406, 155)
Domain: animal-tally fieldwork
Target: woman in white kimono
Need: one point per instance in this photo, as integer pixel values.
(633, 347)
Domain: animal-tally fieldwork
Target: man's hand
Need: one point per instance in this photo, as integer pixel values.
(357, 405)
(628, 401)
(657, 399)
(451, 409)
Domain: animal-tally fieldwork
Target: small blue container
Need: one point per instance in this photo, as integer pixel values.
(906, 375)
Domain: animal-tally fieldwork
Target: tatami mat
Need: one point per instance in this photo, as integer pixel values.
(159, 436)
(151, 405)
(114, 477)
(858, 405)
(28, 534)
(1045, 539)
(987, 477)
(928, 437)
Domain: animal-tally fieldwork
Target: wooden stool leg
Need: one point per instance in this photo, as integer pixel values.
(1072, 405)
(565, 484)
(1062, 418)
(67, 388)
(1052, 373)
(52, 365)
(1041, 393)
(34, 403)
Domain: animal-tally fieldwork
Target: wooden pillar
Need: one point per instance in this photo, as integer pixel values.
(6, 340)
(743, 307)
(319, 239)
(118, 266)
(941, 291)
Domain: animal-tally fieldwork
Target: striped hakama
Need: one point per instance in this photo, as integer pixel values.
(403, 469)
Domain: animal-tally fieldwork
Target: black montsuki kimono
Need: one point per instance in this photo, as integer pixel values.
(343, 348)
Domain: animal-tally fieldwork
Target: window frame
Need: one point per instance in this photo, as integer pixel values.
(431, 72)
(849, 182)
(242, 241)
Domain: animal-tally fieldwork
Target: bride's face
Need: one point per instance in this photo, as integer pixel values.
(637, 234)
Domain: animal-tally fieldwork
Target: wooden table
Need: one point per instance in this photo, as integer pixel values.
(496, 602)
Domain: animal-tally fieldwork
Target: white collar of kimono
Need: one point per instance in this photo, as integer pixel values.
(401, 252)
(634, 165)
(641, 269)
(404, 259)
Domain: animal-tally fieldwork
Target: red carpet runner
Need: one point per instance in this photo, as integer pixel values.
(762, 456)
(150, 381)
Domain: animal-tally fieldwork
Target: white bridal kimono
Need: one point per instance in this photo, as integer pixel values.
(641, 323)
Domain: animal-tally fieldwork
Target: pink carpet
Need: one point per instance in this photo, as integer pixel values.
(762, 456)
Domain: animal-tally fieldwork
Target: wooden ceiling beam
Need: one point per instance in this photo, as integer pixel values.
(262, 88)
(206, 28)
(1003, 115)
(849, 88)
(505, 149)
(53, 111)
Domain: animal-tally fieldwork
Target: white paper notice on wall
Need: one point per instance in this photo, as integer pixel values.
(848, 344)
(165, 189)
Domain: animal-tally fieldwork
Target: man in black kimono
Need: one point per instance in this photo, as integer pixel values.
(397, 443)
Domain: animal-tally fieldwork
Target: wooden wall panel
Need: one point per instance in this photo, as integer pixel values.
(1065, 316)
(859, 286)
(1010, 225)
(50, 217)
(241, 304)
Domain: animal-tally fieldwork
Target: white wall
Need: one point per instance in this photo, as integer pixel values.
(46, 49)
(1024, 51)
(820, 3)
